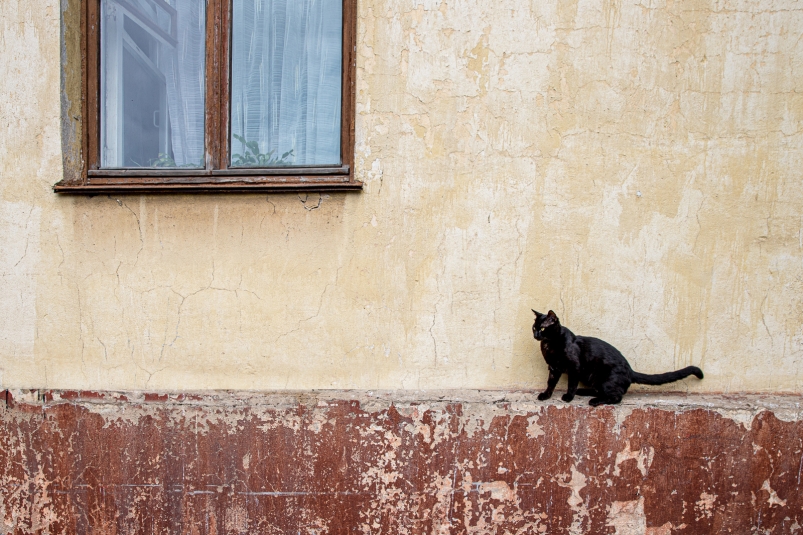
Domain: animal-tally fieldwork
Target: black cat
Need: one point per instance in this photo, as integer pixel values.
(594, 362)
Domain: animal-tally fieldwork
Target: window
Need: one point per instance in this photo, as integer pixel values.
(217, 95)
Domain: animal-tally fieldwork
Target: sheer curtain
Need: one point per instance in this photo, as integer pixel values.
(184, 68)
(153, 83)
(286, 81)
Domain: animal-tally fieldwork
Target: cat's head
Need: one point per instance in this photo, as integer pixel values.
(545, 325)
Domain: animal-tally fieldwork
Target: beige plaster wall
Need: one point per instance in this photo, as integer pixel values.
(636, 166)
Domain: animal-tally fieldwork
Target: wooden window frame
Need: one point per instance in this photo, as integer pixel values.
(217, 176)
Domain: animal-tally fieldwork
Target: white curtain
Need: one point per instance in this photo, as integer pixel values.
(178, 67)
(286, 79)
(184, 69)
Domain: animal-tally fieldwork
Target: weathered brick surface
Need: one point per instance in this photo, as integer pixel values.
(354, 462)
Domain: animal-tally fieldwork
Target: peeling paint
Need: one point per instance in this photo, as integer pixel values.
(773, 496)
(320, 462)
(576, 484)
(533, 429)
(628, 518)
(643, 459)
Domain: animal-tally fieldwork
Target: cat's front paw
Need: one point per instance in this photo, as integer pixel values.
(567, 397)
(544, 396)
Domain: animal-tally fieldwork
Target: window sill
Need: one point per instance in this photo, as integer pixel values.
(207, 184)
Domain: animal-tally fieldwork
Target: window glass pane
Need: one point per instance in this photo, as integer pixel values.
(152, 83)
(285, 82)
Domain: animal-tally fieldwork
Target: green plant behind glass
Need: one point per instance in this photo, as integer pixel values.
(254, 158)
(165, 160)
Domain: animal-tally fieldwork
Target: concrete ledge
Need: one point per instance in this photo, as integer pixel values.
(398, 462)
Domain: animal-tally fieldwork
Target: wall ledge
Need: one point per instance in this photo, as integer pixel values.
(435, 461)
(787, 403)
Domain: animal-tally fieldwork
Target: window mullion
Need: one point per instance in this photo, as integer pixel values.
(223, 75)
(91, 80)
(347, 116)
(214, 64)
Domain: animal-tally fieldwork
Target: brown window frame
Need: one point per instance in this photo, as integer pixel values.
(217, 176)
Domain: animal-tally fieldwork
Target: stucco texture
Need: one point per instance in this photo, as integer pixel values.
(634, 166)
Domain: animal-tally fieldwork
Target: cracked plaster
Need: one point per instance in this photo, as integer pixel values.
(632, 165)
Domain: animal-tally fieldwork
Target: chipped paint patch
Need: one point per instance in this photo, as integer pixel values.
(643, 458)
(773, 496)
(575, 501)
(499, 490)
(533, 429)
(705, 505)
(627, 518)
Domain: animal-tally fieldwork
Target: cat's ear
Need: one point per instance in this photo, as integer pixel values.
(552, 315)
(537, 314)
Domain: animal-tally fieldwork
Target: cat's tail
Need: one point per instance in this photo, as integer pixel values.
(668, 377)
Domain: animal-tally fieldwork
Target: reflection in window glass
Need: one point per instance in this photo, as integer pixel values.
(285, 82)
(152, 83)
